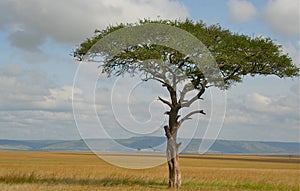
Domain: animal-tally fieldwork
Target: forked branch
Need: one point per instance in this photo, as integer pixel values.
(196, 97)
(187, 88)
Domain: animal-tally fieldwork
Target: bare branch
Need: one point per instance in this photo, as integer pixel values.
(163, 79)
(157, 79)
(174, 85)
(187, 88)
(155, 70)
(165, 102)
(167, 113)
(170, 89)
(157, 75)
(188, 116)
(196, 97)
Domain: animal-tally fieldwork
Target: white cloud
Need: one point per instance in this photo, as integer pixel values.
(29, 101)
(283, 16)
(257, 101)
(32, 107)
(241, 10)
(295, 89)
(258, 116)
(284, 105)
(23, 89)
(72, 21)
(16, 83)
(293, 51)
(33, 124)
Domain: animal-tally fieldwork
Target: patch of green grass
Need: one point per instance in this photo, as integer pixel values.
(19, 178)
(33, 178)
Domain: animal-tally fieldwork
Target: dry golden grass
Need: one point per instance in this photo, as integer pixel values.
(85, 171)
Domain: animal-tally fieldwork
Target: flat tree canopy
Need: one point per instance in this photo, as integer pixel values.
(236, 55)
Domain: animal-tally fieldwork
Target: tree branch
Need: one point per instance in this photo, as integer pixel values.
(172, 92)
(236, 69)
(187, 88)
(158, 76)
(196, 97)
(165, 102)
(190, 114)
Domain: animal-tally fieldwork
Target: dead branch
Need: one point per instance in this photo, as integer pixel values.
(165, 102)
(190, 114)
(196, 97)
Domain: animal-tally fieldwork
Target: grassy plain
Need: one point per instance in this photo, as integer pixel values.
(48, 171)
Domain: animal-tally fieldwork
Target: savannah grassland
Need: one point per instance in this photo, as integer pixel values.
(51, 171)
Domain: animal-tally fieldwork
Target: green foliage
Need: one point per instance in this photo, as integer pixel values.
(236, 55)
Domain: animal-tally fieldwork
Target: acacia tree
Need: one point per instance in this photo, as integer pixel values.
(236, 56)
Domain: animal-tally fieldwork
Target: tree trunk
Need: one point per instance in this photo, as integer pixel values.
(173, 163)
(172, 146)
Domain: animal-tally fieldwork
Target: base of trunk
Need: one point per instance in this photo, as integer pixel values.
(173, 164)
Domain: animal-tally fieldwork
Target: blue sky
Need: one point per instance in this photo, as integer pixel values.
(37, 71)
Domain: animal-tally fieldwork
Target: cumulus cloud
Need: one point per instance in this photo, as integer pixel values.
(241, 10)
(72, 21)
(272, 112)
(34, 124)
(32, 106)
(27, 90)
(283, 16)
(262, 117)
(258, 102)
(29, 101)
(18, 84)
(285, 106)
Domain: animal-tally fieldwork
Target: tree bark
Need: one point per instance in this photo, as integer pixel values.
(173, 163)
(173, 157)
(171, 134)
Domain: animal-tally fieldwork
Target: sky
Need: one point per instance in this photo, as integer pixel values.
(37, 70)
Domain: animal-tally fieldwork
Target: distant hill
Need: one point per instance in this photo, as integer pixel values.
(150, 143)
